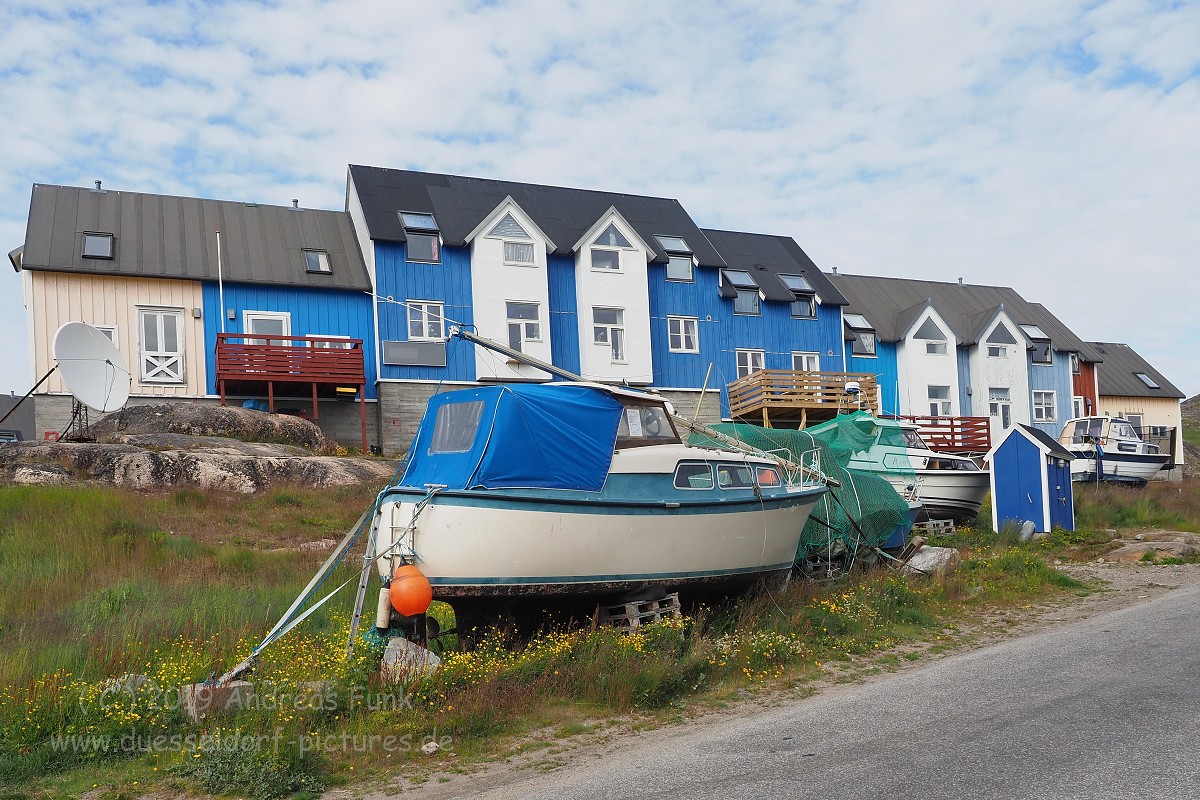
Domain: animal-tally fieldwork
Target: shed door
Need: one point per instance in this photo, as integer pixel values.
(1062, 502)
(1029, 486)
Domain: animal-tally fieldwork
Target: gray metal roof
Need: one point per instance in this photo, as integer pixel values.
(766, 257)
(1047, 441)
(1057, 330)
(1118, 377)
(161, 236)
(460, 203)
(888, 303)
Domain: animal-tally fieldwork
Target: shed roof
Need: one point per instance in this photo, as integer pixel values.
(162, 236)
(460, 203)
(766, 257)
(967, 308)
(1118, 377)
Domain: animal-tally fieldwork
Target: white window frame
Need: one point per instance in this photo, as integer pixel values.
(613, 333)
(430, 310)
(247, 316)
(677, 331)
(592, 259)
(1045, 405)
(997, 351)
(940, 406)
(934, 347)
(111, 332)
(530, 329)
(746, 359)
(997, 406)
(166, 366)
(1136, 420)
(678, 259)
(516, 262)
(1078, 406)
(808, 362)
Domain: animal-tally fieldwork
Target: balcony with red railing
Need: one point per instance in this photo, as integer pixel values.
(291, 366)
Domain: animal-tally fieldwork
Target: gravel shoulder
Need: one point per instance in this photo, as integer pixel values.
(1120, 585)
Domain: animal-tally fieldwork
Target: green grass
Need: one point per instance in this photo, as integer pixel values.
(98, 582)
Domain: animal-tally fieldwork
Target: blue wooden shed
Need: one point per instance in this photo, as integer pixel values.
(1031, 481)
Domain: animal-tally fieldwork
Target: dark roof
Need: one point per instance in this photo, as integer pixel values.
(160, 236)
(459, 204)
(967, 308)
(766, 257)
(1118, 377)
(1055, 328)
(1049, 442)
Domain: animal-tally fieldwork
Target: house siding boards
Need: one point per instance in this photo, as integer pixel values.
(564, 314)
(55, 298)
(966, 392)
(448, 283)
(883, 367)
(721, 332)
(1054, 377)
(311, 313)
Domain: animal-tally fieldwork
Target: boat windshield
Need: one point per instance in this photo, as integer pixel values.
(1086, 430)
(1123, 430)
(913, 439)
(644, 424)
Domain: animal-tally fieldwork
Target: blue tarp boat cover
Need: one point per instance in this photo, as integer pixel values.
(546, 436)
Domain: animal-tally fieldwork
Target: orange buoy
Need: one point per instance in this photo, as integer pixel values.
(410, 591)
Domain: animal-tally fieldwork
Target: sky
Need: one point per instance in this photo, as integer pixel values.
(1053, 147)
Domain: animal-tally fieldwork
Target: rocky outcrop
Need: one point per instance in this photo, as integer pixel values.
(193, 445)
(227, 465)
(200, 419)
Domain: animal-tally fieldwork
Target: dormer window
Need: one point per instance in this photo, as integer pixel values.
(1042, 352)
(423, 237)
(804, 302)
(741, 285)
(935, 338)
(604, 254)
(863, 333)
(317, 261)
(98, 245)
(519, 253)
(680, 260)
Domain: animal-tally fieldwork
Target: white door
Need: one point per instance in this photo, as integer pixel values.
(278, 323)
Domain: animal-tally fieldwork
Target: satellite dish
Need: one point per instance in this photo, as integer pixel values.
(92, 367)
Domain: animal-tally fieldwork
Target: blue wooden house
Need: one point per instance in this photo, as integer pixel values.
(1031, 481)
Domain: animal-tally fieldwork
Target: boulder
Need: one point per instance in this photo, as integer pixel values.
(206, 419)
(941, 561)
(39, 474)
(403, 659)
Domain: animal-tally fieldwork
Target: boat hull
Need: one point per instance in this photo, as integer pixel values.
(945, 494)
(1135, 468)
(479, 544)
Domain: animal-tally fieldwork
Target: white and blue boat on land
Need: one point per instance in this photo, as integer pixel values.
(1110, 449)
(585, 490)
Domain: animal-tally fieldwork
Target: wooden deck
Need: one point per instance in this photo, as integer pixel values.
(958, 435)
(299, 365)
(775, 397)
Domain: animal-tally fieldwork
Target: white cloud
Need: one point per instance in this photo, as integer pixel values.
(1049, 148)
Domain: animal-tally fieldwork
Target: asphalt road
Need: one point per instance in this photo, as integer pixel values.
(1104, 708)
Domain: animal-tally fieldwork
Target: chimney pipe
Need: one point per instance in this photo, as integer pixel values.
(295, 204)
(97, 186)
(960, 283)
(835, 270)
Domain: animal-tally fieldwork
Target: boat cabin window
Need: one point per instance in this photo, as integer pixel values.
(643, 424)
(455, 427)
(1086, 430)
(693, 475)
(1123, 430)
(735, 476)
(913, 439)
(768, 476)
(952, 463)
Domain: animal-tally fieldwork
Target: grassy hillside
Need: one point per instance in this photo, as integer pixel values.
(97, 583)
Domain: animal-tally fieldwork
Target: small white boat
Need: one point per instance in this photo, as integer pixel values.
(1110, 449)
(585, 490)
(947, 485)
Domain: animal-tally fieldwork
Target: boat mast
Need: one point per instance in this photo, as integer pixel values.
(691, 425)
